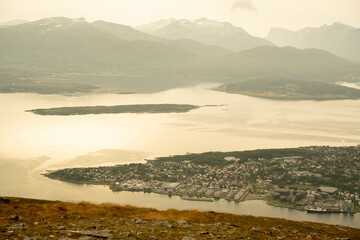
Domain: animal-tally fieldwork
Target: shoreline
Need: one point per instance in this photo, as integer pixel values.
(248, 197)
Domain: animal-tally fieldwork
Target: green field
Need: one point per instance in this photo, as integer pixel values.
(271, 201)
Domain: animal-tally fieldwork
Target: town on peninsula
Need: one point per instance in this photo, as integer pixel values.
(316, 179)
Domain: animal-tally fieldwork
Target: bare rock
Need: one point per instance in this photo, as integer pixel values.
(17, 226)
(15, 218)
(188, 238)
(4, 200)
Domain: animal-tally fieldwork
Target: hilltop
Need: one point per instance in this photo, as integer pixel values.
(25, 218)
(206, 31)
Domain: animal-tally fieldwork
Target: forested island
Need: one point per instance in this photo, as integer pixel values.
(307, 178)
(135, 108)
(283, 89)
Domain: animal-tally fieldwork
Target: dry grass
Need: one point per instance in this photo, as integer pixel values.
(56, 212)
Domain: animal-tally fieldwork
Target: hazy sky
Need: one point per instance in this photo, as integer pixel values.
(255, 16)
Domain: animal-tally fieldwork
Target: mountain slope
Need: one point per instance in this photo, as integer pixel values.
(75, 51)
(206, 31)
(286, 62)
(128, 33)
(339, 39)
(125, 32)
(201, 50)
(23, 218)
(60, 44)
(12, 22)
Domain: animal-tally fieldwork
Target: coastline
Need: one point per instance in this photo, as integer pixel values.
(249, 196)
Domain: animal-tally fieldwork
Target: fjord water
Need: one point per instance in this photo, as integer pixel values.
(31, 144)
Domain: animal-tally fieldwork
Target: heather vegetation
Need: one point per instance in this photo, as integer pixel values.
(41, 219)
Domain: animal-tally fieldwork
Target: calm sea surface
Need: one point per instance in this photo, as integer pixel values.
(30, 144)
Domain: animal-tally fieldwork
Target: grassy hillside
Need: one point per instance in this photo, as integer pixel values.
(285, 62)
(21, 218)
(282, 89)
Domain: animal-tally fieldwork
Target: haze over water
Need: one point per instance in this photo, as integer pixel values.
(238, 123)
(30, 143)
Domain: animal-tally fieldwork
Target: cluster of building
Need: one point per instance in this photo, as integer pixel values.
(325, 199)
(185, 191)
(235, 177)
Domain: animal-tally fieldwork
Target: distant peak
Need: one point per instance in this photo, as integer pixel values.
(166, 21)
(340, 23)
(211, 21)
(200, 26)
(203, 19)
(337, 24)
(63, 19)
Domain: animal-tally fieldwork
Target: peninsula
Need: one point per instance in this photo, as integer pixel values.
(137, 108)
(308, 178)
(283, 89)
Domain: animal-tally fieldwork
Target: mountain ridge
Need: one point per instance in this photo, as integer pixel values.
(76, 51)
(12, 22)
(270, 62)
(223, 34)
(339, 38)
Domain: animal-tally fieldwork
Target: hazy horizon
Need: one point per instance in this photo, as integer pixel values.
(255, 16)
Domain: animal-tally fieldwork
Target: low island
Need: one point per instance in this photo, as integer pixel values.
(283, 89)
(136, 108)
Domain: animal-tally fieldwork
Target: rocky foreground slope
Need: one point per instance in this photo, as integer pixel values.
(40, 219)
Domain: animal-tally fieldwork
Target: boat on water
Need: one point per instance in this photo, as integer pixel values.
(204, 199)
(323, 210)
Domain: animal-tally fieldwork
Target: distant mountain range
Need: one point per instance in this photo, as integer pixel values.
(61, 44)
(285, 62)
(103, 53)
(206, 31)
(340, 39)
(125, 32)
